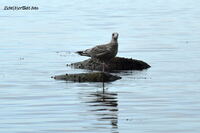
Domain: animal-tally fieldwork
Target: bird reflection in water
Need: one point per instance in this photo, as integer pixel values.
(104, 105)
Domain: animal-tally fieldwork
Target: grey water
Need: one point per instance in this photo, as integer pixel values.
(37, 44)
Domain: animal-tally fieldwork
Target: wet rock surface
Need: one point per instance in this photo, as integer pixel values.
(88, 77)
(117, 63)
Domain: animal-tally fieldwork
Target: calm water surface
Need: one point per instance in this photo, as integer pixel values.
(36, 45)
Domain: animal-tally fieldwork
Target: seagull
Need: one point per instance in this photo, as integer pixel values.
(103, 53)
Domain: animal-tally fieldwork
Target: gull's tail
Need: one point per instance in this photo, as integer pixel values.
(82, 53)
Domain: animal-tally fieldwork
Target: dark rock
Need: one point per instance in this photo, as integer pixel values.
(88, 77)
(117, 63)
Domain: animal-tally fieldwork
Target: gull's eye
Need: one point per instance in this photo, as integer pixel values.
(113, 34)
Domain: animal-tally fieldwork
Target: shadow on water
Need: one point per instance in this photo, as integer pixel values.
(104, 105)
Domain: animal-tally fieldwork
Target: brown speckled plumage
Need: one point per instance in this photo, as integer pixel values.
(103, 52)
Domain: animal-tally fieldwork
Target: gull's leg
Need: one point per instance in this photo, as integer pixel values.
(103, 76)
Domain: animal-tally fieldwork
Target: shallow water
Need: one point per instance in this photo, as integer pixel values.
(36, 45)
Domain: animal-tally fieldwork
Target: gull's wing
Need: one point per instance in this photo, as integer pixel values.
(99, 50)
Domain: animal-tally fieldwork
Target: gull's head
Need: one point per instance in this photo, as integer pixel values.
(115, 35)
